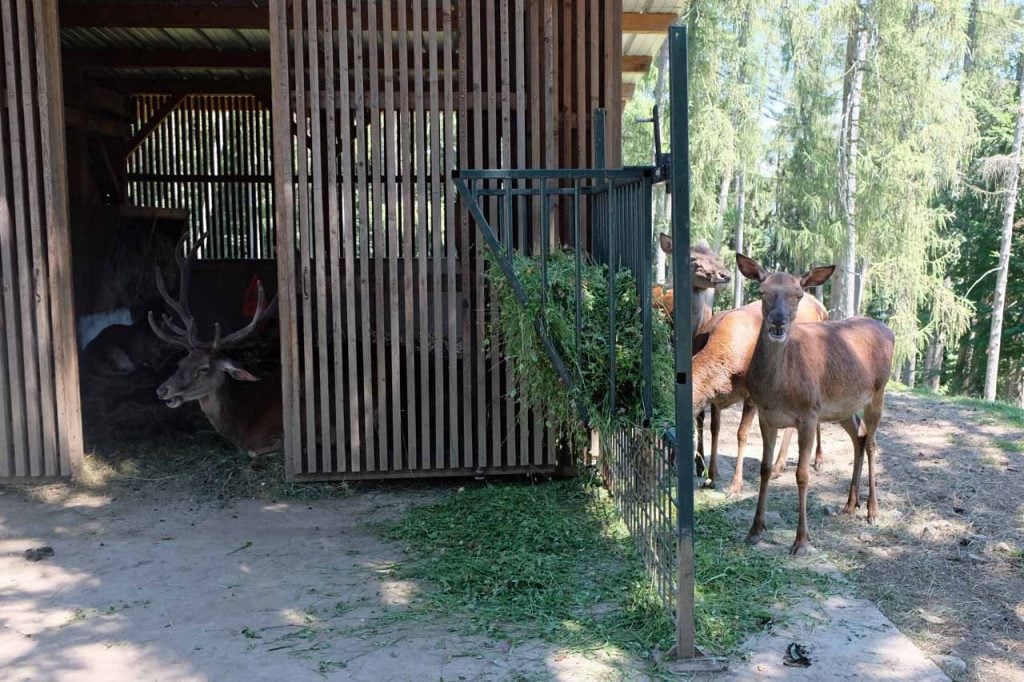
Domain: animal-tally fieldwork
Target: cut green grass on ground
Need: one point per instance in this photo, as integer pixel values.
(554, 561)
(1008, 414)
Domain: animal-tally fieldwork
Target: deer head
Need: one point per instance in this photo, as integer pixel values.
(780, 293)
(203, 371)
(707, 271)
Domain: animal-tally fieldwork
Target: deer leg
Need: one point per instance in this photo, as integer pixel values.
(702, 468)
(852, 428)
(741, 443)
(780, 459)
(805, 441)
(716, 425)
(768, 433)
(872, 416)
(819, 456)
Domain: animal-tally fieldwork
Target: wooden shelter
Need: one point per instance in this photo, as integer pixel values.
(314, 141)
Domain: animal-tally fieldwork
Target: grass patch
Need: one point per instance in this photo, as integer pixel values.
(1008, 445)
(555, 562)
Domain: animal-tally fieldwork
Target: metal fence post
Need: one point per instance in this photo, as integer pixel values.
(679, 98)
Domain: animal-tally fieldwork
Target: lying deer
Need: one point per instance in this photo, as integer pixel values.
(804, 374)
(243, 409)
(724, 348)
(122, 349)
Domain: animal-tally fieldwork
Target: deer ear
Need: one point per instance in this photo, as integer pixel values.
(750, 268)
(817, 276)
(665, 242)
(237, 372)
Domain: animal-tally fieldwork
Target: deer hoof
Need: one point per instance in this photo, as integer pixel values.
(708, 483)
(800, 548)
(735, 489)
(849, 509)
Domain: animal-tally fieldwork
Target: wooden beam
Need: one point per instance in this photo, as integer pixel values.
(648, 22)
(169, 59)
(636, 63)
(131, 15)
(627, 91)
(76, 118)
(198, 86)
(149, 126)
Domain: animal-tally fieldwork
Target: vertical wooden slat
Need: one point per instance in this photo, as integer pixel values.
(345, 295)
(450, 299)
(493, 150)
(522, 161)
(317, 241)
(422, 227)
(477, 299)
(434, 142)
(377, 228)
(550, 87)
(361, 294)
(50, 83)
(17, 438)
(29, 380)
(581, 144)
(408, 149)
(465, 258)
(337, 390)
(45, 461)
(507, 161)
(389, 149)
(304, 198)
(284, 214)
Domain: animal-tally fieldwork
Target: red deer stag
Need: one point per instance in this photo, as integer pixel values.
(247, 413)
(725, 346)
(804, 374)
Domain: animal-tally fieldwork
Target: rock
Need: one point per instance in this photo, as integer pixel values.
(830, 511)
(38, 553)
(977, 557)
(927, 534)
(866, 537)
(929, 618)
(955, 667)
(1004, 548)
(773, 518)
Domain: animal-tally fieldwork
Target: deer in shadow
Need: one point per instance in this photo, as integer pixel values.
(803, 374)
(242, 407)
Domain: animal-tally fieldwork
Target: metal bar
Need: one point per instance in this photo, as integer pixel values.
(679, 98)
(624, 173)
(613, 267)
(644, 244)
(578, 283)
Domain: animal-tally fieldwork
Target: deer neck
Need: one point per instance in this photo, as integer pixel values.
(700, 305)
(222, 408)
(766, 377)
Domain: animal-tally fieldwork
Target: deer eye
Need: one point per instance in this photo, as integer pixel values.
(201, 371)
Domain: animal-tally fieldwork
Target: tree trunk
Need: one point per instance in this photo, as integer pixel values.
(972, 35)
(909, 370)
(737, 280)
(723, 205)
(933, 359)
(1009, 208)
(844, 289)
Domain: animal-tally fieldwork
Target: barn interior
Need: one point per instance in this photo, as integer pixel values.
(167, 113)
(169, 134)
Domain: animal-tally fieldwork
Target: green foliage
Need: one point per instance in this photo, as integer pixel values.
(537, 384)
(554, 561)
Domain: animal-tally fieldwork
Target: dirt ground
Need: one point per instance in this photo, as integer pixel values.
(147, 584)
(155, 588)
(944, 561)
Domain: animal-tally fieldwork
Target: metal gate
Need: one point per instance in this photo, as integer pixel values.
(40, 416)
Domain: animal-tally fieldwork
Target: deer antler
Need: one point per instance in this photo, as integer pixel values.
(185, 335)
(238, 336)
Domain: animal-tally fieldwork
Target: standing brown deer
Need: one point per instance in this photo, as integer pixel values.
(804, 374)
(725, 347)
(241, 407)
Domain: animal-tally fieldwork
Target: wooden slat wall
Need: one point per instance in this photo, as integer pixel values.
(212, 156)
(40, 416)
(390, 370)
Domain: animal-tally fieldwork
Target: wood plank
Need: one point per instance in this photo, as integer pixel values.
(656, 23)
(11, 435)
(438, 226)
(522, 161)
(130, 58)
(362, 292)
(627, 91)
(347, 189)
(338, 394)
(46, 460)
(389, 148)
(377, 229)
(155, 120)
(466, 298)
(284, 212)
(493, 145)
(28, 382)
(477, 287)
(55, 191)
(451, 202)
(409, 225)
(636, 63)
(614, 88)
(422, 316)
(579, 103)
(321, 454)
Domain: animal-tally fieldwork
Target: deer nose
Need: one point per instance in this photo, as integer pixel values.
(162, 391)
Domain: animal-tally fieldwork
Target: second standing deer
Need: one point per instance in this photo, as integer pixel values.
(804, 374)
